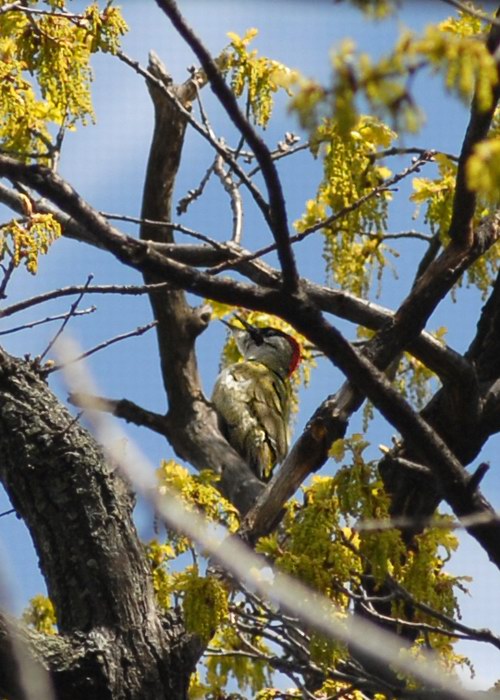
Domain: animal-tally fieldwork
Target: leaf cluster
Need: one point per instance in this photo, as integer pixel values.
(455, 49)
(323, 544)
(260, 77)
(318, 543)
(40, 615)
(23, 240)
(45, 71)
(437, 195)
(354, 245)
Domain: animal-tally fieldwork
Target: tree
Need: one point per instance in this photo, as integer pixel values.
(134, 620)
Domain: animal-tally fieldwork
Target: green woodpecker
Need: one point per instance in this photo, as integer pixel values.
(252, 397)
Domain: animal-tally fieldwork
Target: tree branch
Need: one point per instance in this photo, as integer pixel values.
(133, 290)
(94, 564)
(406, 325)
(277, 210)
(464, 201)
(125, 409)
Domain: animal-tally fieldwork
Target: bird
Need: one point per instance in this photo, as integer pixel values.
(252, 398)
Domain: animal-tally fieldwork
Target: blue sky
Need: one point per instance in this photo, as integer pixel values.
(106, 164)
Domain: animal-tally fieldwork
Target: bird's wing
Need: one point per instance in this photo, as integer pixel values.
(253, 407)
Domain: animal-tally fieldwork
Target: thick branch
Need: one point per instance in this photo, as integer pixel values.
(330, 420)
(464, 415)
(79, 514)
(464, 201)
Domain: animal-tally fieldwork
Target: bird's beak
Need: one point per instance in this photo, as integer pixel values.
(251, 330)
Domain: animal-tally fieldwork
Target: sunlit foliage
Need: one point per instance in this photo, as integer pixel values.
(23, 240)
(354, 245)
(40, 615)
(455, 49)
(45, 72)
(324, 543)
(259, 76)
(338, 530)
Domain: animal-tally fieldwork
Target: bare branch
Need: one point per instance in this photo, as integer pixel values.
(8, 271)
(194, 194)
(117, 339)
(218, 148)
(10, 6)
(133, 290)
(411, 150)
(278, 220)
(420, 523)
(236, 202)
(283, 151)
(67, 317)
(168, 225)
(125, 409)
(49, 319)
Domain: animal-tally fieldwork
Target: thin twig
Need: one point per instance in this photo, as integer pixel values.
(138, 331)
(409, 522)
(50, 13)
(7, 512)
(277, 214)
(71, 313)
(7, 275)
(375, 192)
(48, 319)
(411, 150)
(280, 153)
(400, 235)
(235, 196)
(133, 290)
(165, 224)
(194, 194)
(380, 189)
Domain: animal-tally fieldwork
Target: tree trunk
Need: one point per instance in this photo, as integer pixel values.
(113, 641)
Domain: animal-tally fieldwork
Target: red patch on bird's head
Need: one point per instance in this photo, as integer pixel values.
(296, 356)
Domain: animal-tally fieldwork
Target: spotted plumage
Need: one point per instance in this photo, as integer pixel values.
(253, 397)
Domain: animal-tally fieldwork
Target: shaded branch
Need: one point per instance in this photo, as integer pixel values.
(464, 201)
(125, 409)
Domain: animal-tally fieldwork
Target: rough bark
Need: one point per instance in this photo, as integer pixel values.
(114, 642)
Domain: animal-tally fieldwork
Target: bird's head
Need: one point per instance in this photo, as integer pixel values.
(270, 346)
